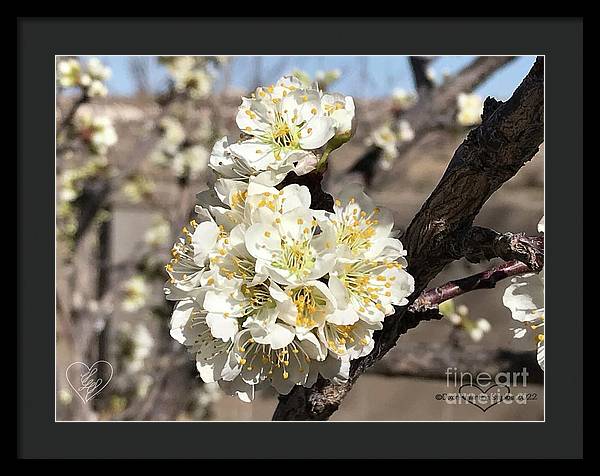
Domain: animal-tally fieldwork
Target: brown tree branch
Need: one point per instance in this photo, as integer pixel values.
(432, 361)
(431, 298)
(434, 110)
(480, 244)
(418, 65)
(509, 136)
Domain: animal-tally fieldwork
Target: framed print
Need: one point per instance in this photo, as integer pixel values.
(302, 243)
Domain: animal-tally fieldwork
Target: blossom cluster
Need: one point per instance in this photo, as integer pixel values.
(91, 78)
(96, 131)
(269, 290)
(388, 139)
(460, 319)
(191, 74)
(176, 149)
(285, 127)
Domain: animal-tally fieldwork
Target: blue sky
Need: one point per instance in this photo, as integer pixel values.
(384, 73)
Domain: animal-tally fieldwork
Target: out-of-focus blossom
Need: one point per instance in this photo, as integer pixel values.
(388, 140)
(135, 293)
(72, 180)
(431, 74)
(403, 99)
(97, 70)
(143, 385)
(91, 79)
(138, 188)
(97, 89)
(191, 161)
(459, 317)
(190, 74)
(470, 108)
(158, 234)
(69, 73)
(142, 344)
(97, 132)
(64, 396)
(172, 131)
(405, 131)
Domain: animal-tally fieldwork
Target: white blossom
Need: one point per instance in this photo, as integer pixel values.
(142, 344)
(98, 71)
(190, 75)
(525, 299)
(172, 131)
(470, 108)
(97, 89)
(273, 292)
(158, 233)
(96, 131)
(388, 139)
(92, 78)
(191, 161)
(405, 131)
(404, 99)
(69, 72)
(285, 127)
(384, 138)
(459, 317)
(136, 292)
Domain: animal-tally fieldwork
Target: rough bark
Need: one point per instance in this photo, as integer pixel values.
(484, 244)
(509, 136)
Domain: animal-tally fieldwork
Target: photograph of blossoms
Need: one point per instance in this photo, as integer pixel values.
(343, 238)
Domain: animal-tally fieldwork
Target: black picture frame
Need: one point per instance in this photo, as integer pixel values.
(560, 40)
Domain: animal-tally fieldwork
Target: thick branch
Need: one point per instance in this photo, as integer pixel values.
(509, 136)
(436, 109)
(433, 361)
(479, 243)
